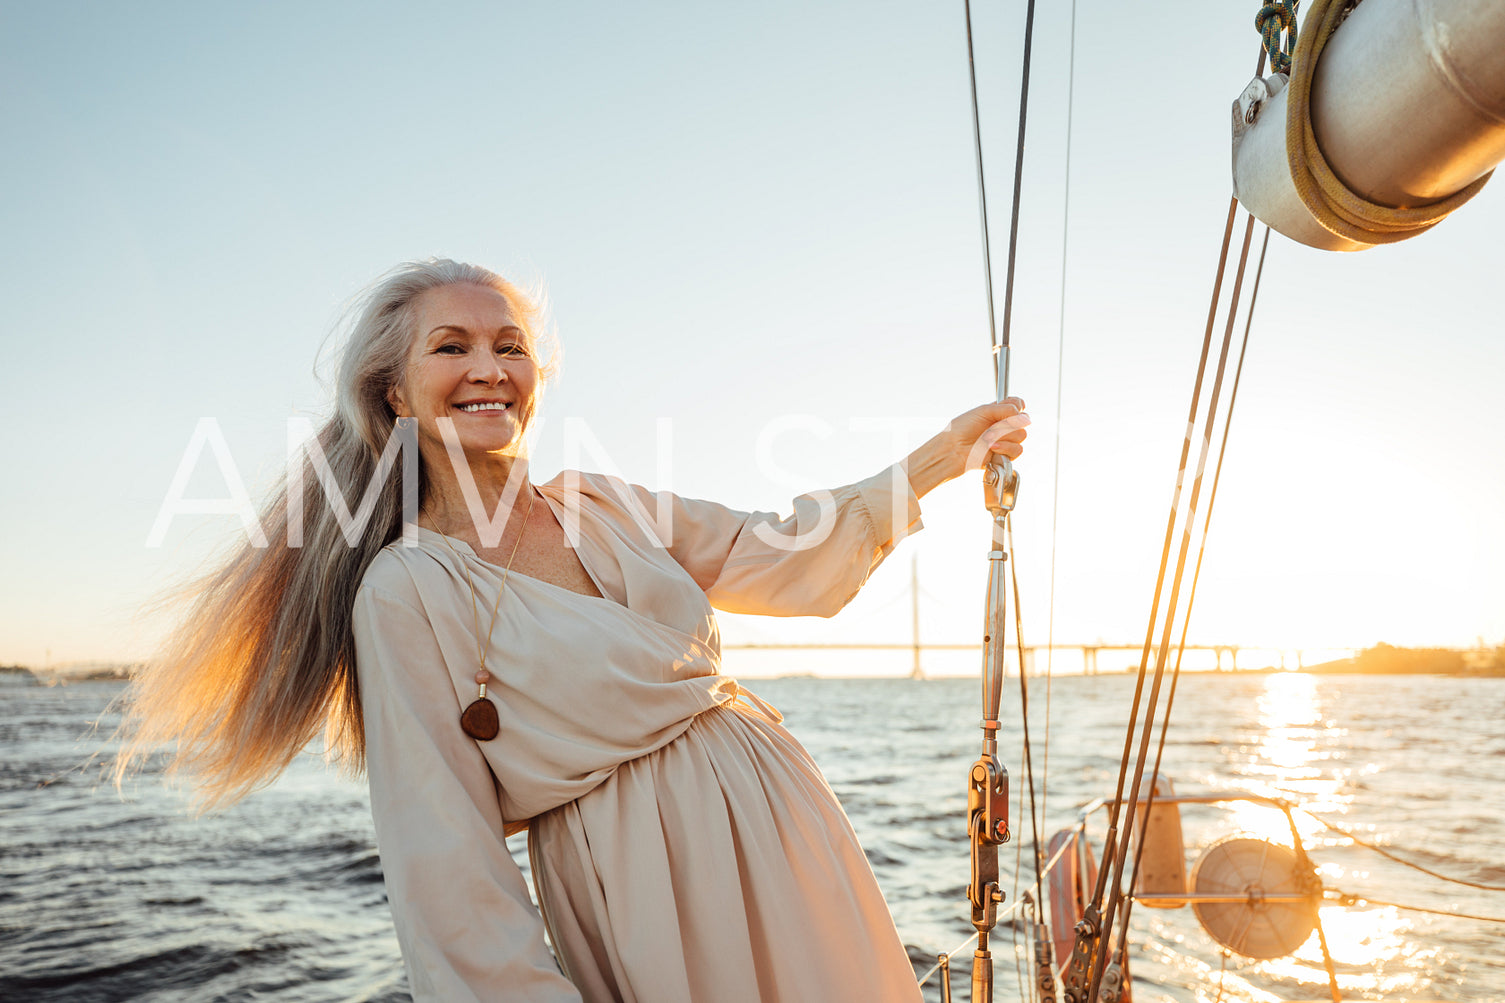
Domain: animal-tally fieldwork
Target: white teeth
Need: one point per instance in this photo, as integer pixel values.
(484, 406)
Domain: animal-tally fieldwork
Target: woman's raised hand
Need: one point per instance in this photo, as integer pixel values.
(966, 443)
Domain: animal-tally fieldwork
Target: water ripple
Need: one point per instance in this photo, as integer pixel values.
(108, 898)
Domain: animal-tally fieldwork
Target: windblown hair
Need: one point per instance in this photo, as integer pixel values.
(265, 656)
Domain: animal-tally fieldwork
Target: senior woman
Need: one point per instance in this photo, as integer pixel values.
(545, 655)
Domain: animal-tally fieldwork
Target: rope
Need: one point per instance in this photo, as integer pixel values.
(1346, 899)
(1273, 18)
(1403, 862)
(1019, 843)
(1029, 762)
(1029, 768)
(1055, 486)
(951, 954)
(1335, 206)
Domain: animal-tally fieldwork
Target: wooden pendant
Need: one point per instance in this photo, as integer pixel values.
(480, 721)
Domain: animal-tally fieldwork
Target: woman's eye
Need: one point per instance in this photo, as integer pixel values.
(450, 350)
(512, 349)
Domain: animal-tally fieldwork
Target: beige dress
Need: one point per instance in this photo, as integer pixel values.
(684, 846)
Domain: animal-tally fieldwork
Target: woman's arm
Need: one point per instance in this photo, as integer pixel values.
(467, 928)
(813, 561)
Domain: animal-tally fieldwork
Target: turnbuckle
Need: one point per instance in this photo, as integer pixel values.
(1045, 965)
(1079, 969)
(988, 794)
(1112, 989)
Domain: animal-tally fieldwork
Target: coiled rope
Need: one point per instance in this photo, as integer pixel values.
(1338, 208)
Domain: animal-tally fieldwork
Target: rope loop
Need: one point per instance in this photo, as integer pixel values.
(1273, 18)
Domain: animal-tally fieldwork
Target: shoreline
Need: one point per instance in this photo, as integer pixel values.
(1379, 660)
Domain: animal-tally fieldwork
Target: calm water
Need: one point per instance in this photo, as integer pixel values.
(281, 898)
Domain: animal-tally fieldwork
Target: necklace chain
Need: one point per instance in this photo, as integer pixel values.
(475, 611)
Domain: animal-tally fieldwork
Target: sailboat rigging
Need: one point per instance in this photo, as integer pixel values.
(988, 781)
(1256, 898)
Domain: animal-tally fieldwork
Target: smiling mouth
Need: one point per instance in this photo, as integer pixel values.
(483, 406)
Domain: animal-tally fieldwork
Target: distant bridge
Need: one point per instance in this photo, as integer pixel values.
(1088, 652)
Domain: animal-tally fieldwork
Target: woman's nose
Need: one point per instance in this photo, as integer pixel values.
(488, 369)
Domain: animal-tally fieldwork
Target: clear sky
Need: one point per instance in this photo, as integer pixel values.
(759, 223)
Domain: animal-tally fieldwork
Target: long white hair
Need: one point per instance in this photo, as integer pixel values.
(265, 656)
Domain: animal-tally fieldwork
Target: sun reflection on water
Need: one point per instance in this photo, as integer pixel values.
(1289, 749)
(1293, 752)
(1370, 951)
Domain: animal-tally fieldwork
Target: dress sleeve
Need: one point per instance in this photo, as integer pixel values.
(809, 563)
(467, 928)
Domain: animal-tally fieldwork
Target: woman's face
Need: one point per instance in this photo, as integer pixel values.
(472, 362)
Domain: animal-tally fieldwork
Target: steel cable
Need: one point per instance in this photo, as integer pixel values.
(1055, 487)
(1111, 837)
(1346, 899)
(1122, 848)
(1403, 862)
(1170, 699)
